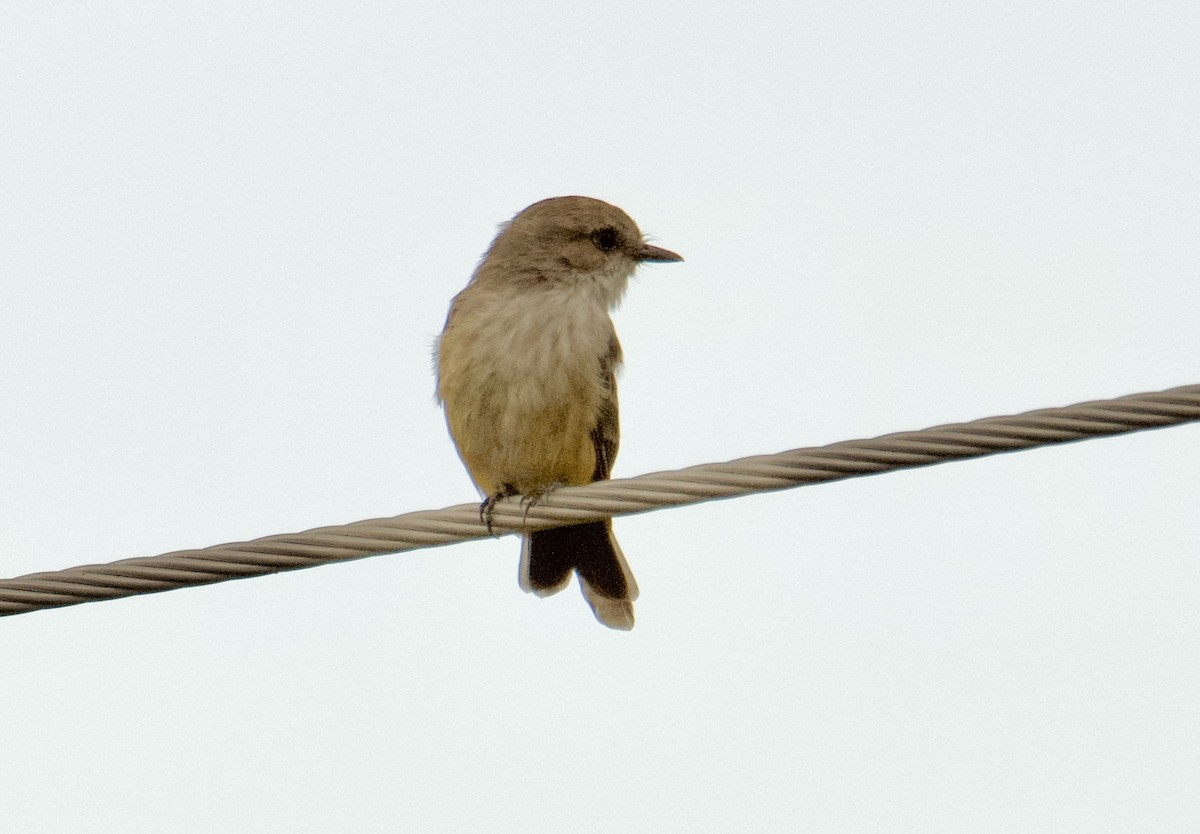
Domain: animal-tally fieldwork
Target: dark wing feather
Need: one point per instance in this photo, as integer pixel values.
(606, 435)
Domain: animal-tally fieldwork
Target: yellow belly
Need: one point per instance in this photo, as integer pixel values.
(527, 452)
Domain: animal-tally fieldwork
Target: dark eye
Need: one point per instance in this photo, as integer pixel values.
(605, 239)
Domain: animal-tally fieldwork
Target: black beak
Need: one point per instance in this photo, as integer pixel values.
(654, 254)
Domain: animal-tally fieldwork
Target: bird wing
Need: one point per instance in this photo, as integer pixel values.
(606, 435)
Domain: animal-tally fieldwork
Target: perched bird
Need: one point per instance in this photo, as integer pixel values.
(526, 371)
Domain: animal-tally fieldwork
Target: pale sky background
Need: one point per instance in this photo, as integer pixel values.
(229, 233)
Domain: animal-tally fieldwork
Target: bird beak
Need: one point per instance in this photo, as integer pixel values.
(654, 254)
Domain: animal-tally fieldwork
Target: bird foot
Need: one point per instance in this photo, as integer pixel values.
(530, 499)
(489, 505)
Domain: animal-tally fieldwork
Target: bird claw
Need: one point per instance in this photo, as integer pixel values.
(485, 511)
(529, 501)
(489, 505)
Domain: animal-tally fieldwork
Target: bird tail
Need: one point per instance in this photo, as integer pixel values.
(591, 550)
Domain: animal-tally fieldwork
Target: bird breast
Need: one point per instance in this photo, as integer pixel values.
(523, 384)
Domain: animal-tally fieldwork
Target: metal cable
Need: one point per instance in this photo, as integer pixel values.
(848, 459)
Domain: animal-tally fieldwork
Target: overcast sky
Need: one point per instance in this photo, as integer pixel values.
(229, 233)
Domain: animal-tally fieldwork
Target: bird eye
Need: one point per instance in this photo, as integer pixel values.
(606, 239)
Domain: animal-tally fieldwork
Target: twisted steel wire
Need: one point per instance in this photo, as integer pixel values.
(411, 531)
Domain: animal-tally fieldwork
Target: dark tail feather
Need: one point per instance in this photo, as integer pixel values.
(588, 548)
(549, 556)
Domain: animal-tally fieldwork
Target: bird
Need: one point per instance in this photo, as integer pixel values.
(526, 374)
